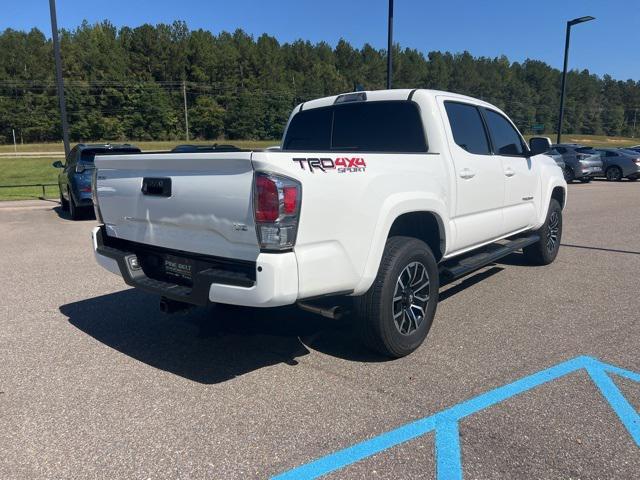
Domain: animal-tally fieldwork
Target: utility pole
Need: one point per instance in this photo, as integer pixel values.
(570, 24)
(390, 45)
(186, 113)
(59, 81)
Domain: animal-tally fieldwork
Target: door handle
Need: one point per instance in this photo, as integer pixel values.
(466, 174)
(509, 172)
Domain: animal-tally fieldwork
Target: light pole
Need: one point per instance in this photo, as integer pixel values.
(59, 82)
(389, 44)
(570, 24)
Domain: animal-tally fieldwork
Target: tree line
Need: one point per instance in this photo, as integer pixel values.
(130, 83)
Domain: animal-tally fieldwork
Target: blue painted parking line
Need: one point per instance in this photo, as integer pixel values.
(445, 424)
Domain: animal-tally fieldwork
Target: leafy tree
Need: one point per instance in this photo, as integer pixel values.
(206, 119)
(127, 83)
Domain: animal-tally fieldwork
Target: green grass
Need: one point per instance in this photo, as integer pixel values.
(159, 145)
(25, 170)
(592, 140)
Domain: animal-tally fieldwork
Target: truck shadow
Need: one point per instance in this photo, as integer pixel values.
(214, 344)
(219, 343)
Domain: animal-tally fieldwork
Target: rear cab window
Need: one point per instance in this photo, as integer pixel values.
(89, 155)
(374, 126)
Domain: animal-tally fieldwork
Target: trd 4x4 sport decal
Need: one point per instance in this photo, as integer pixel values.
(341, 164)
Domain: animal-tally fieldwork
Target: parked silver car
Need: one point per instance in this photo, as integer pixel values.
(581, 162)
(619, 163)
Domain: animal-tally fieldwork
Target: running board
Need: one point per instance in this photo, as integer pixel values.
(456, 268)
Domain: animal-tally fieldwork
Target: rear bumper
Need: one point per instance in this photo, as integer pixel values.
(275, 283)
(589, 172)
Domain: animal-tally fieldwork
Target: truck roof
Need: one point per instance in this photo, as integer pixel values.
(386, 95)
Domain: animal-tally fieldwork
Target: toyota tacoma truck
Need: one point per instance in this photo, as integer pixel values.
(381, 196)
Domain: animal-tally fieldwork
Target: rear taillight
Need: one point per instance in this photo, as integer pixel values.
(94, 195)
(276, 205)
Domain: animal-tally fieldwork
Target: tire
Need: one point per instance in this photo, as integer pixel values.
(569, 176)
(545, 250)
(74, 211)
(64, 204)
(614, 174)
(405, 261)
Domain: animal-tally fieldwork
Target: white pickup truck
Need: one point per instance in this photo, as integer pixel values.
(380, 195)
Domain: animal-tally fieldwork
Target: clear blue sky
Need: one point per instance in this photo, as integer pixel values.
(520, 30)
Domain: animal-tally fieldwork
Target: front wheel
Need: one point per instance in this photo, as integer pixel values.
(545, 250)
(614, 174)
(569, 176)
(395, 315)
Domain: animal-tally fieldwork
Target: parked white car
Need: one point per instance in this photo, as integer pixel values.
(378, 195)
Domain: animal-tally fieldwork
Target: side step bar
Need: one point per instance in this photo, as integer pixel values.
(456, 268)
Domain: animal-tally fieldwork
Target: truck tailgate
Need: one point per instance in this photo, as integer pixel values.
(194, 202)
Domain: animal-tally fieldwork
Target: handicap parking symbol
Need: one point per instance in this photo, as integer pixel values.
(445, 424)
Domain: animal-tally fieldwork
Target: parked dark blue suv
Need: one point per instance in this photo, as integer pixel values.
(74, 179)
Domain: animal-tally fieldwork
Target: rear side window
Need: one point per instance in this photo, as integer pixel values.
(310, 130)
(359, 127)
(467, 127)
(506, 139)
(588, 150)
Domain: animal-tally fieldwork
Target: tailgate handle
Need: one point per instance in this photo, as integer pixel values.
(160, 187)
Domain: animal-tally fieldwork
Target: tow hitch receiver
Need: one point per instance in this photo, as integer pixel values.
(168, 306)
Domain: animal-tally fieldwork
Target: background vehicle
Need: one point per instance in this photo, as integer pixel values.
(581, 163)
(355, 203)
(74, 179)
(619, 163)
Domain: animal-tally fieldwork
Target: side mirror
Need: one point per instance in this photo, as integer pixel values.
(538, 145)
(57, 164)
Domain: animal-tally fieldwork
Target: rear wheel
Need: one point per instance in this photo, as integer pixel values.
(64, 204)
(395, 315)
(614, 174)
(74, 211)
(545, 250)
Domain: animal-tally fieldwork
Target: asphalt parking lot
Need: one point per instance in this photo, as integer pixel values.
(96, 383)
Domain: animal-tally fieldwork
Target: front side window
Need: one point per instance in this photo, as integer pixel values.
(506, 139)
(467, 127)
(389, 127)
